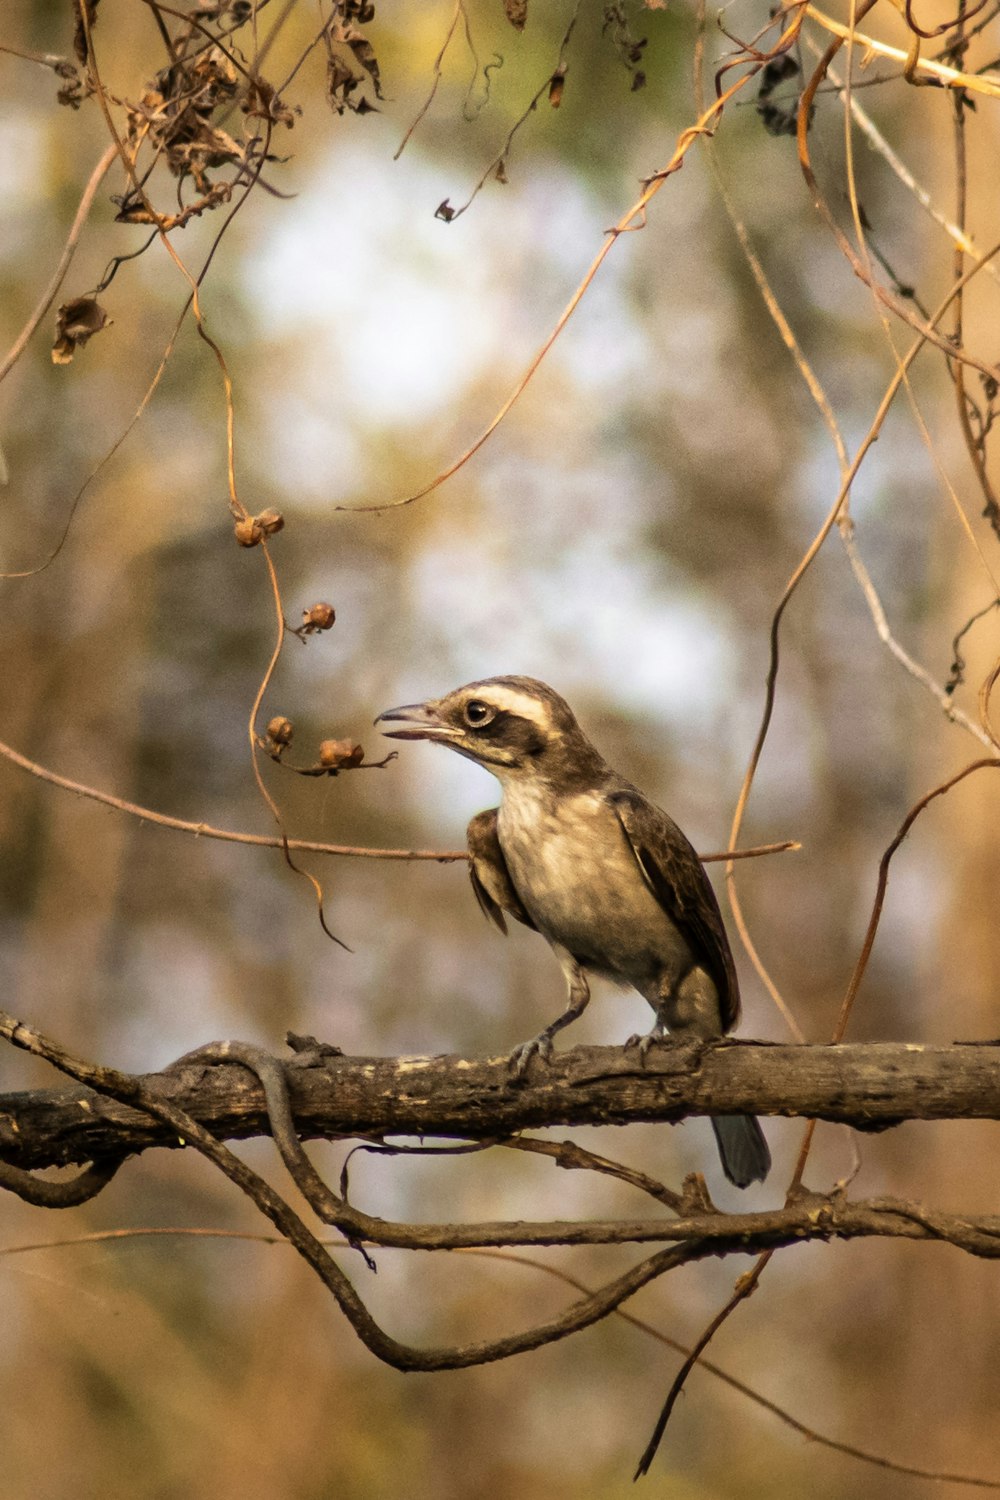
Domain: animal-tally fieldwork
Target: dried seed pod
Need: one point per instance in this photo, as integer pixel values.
(340, 754)
(248, 532)
(280, 730)
(317, 617)
(270, 521)
(76, 322)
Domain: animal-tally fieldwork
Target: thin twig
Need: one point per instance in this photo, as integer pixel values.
(937, 690)
(881, 146)
(501, 156)
(458, 12)
(58, 276)
(941, 72)
(992, 763)
(749, 1391)
(208, 831)
(518, 1258)
(304, 846)
(633, 219)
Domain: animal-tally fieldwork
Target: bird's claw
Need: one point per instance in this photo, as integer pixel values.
(643, 1042)
(539, 1046)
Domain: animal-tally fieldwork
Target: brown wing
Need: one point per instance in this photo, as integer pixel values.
(491, 882)
(677, 878)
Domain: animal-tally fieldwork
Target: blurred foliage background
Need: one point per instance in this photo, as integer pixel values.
(625, 535)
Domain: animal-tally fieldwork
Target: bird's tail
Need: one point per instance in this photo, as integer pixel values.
(742, 1148)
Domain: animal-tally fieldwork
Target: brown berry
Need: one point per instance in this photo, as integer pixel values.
(280, 731)
(338, 754)
(248, 532)
(318, 617)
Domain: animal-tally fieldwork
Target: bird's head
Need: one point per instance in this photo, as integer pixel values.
(516, 727)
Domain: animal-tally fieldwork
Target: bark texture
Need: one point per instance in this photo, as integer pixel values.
(870, 1086)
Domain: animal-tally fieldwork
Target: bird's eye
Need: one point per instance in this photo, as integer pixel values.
(478, 714)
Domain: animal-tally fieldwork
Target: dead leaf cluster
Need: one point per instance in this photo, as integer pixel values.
(351, 62)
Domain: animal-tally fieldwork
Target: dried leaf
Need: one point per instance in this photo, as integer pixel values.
(340, 83)
(215, 77)
(72, 91)
(76, 322)
(444, 211)
(516, 12)
(779, 118)
(263, 102)
(80, 34)
(629, 47)
(364, 55)
(556, 83)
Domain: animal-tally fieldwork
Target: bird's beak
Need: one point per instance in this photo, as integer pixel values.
(421, 720)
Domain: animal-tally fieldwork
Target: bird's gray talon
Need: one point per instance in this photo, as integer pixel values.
(658, 1037)
(520, 1058)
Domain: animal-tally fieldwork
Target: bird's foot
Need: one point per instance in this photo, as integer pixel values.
(658, 1037)
(539, 1046)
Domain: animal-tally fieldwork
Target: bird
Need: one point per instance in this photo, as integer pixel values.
(580, 855)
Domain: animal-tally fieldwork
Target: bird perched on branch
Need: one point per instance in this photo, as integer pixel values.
(609, 880)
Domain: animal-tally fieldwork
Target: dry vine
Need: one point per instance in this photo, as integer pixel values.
(176, 130)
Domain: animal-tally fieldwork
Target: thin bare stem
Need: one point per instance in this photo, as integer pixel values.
(457, 14)
(19, 345)
(518, 1258)
(304, 846)
(883, 881)
(501, 156)
(633, 219)
(948, 77)
(879, 144)
(207, 831)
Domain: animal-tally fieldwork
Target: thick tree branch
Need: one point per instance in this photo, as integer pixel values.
(383, 1087)
(870, 1086)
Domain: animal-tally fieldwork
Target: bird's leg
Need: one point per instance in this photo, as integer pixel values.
(683, 1008)
(576, 1004)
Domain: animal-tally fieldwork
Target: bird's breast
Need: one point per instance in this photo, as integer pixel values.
(576, 874)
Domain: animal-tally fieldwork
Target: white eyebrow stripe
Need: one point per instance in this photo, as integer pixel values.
(522, 704)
